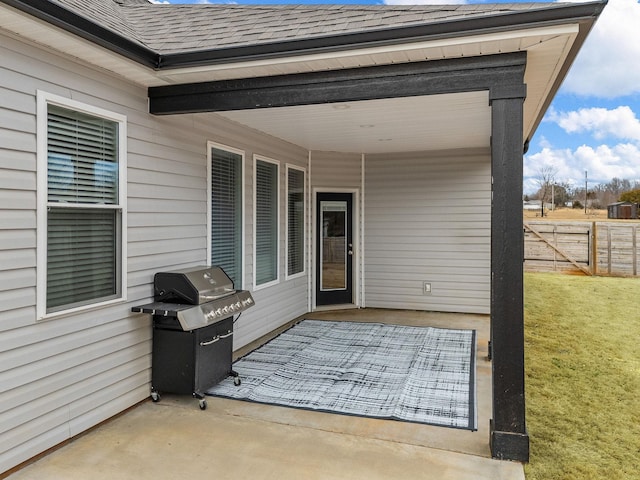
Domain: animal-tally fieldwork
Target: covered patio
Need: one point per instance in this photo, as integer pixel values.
(236, 439)
(232, 138)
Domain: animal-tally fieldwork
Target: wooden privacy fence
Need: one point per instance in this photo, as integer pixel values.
(590, 248)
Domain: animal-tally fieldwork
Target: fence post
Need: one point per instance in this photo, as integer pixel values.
(555, 242)
(594, 248)
(609, 249)
(634, 243)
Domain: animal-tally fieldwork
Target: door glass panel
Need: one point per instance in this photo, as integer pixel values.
(333, 255)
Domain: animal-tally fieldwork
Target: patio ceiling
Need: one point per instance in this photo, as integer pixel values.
(436, 122)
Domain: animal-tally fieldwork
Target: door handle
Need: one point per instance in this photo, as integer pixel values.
(350, 252)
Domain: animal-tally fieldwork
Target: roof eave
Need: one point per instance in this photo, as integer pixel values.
(69, 21)
(585, 28)
(55, 14)
(585, 13)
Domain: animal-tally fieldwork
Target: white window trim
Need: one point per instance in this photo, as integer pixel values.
(302, 273)
(43, 100)
(220, 146)
(257, 158)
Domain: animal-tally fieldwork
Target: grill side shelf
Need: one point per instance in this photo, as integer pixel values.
(161, 308)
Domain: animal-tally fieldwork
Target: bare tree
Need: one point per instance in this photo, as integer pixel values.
(546, 180)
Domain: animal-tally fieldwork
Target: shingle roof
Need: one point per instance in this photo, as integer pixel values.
(179, 28)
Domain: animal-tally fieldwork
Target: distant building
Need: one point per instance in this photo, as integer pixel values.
(622, 210)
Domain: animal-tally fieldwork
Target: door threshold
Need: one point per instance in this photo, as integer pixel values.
(343, 306)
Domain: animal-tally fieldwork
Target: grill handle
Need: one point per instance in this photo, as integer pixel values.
(208, 297)
(216, 338)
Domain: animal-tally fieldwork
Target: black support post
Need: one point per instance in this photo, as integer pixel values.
(509, 438)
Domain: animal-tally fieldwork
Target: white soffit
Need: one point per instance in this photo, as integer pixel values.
(457, 47)
(434, 122)
(51, 38)
(544, 64)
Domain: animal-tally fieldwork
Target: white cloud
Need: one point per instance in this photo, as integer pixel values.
(602, 123)
(543, 142)
(608, 64)
(602, 164)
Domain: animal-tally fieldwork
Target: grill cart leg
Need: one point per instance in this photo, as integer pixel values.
(155, 396)
(236, 378)
(201, 400)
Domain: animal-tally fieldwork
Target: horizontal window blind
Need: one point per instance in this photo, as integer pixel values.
(226, 213)
(82, 158)
(81, 256)
(266, 222)
(83, 253)
(295, 221)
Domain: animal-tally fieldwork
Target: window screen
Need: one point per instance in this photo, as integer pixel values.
(266, 261)
(226, 213)
(295, 221)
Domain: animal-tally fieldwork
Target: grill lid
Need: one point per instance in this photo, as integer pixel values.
(194, 285)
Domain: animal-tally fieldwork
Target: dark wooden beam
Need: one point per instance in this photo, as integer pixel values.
(509, 438)
(357, 84)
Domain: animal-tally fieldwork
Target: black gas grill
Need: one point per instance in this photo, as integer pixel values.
(193, 316)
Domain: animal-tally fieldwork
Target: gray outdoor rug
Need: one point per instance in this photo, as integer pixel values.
(415, 374)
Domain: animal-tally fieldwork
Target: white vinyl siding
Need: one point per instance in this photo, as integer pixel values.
(63, 376)
(336, 170)
(81, 183)
(296, 213)
(428, 219)
(266, 194)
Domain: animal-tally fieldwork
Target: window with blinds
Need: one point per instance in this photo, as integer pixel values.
(84, 216)
(266, 222)
(226, 213)
(295, 221)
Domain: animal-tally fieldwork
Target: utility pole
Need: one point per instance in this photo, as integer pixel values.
(585, 192)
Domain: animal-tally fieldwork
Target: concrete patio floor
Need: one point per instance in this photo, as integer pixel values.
(174, 439)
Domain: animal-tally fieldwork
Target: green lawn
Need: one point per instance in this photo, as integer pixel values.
(583, 376)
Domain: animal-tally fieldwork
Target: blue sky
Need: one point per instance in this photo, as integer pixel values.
(593, 123)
